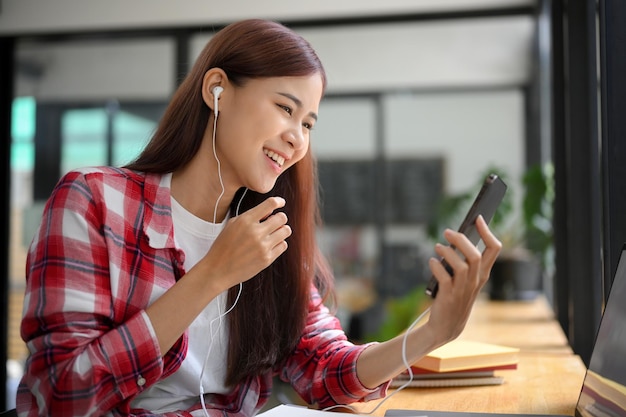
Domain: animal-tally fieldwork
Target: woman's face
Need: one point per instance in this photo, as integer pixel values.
(264, 127)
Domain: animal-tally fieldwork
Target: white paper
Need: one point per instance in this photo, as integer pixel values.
(299, 411)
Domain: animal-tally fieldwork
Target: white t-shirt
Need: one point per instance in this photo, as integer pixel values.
(208, 334)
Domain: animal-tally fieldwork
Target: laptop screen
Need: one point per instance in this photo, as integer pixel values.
(604, 389)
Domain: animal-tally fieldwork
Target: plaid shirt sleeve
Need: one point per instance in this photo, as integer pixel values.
(92, 346)
(322, 369)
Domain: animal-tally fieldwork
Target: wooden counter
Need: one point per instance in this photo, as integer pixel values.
(548, 379)
(528, 325)
(541, 385)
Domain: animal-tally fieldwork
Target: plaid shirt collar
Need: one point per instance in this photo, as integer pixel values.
(158, 226)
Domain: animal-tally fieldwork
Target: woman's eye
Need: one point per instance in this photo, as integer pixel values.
(308, 126)
(286, 109)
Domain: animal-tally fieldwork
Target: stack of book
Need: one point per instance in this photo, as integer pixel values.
(460, 363)
(602, 396)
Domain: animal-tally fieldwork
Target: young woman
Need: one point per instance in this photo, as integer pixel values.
(184, 282)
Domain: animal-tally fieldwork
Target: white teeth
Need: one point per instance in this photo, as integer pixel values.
(277, 158)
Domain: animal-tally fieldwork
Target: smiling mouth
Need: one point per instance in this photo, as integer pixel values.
(275, 157)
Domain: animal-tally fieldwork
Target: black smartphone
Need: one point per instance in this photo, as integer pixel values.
(486, 203)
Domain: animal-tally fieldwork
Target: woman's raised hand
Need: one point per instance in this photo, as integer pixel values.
(249, 243)
(453, 304)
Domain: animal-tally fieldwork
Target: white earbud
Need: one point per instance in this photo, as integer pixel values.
(217, 90)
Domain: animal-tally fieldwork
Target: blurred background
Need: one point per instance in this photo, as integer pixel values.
(424, 99)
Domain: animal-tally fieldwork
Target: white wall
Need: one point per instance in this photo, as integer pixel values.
(472, 131)
(346, 129)
(37, 16)
(380, 57)
(453, 53)
(98, 70)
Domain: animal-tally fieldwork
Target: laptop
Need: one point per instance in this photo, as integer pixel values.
(603, 393)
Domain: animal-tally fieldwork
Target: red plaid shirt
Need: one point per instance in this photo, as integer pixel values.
(106, 241)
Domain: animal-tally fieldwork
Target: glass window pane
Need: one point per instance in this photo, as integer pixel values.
(132, 130)
(83, 135)
(471, 130)
(22, 164)
(346, 129)
(23, 133)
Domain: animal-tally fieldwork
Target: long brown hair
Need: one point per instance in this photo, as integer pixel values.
(270, 315)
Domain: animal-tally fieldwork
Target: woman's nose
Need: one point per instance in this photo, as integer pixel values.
(296, 138)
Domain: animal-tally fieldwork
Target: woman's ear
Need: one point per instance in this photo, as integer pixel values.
(215, 77)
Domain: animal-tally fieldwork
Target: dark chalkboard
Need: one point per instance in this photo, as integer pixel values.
(414, 187)
(347, 191)
(400, 191)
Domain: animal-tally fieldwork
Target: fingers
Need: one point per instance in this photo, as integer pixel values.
(444, 279)
(260, 217)
(464, 257)
(466, 272)
(267, 207)
(272, 230)
(461, 255)
(471, 269)
(275, 226)
(278, 239)
(492, 245)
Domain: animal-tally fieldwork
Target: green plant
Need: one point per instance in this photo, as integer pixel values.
(538, 182)
(399, 314)
(528, 232)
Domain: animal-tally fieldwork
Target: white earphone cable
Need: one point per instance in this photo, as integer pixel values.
(219, 318)
(219, 170)
(406, 363)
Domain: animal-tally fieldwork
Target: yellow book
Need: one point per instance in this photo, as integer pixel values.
(459, 355)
